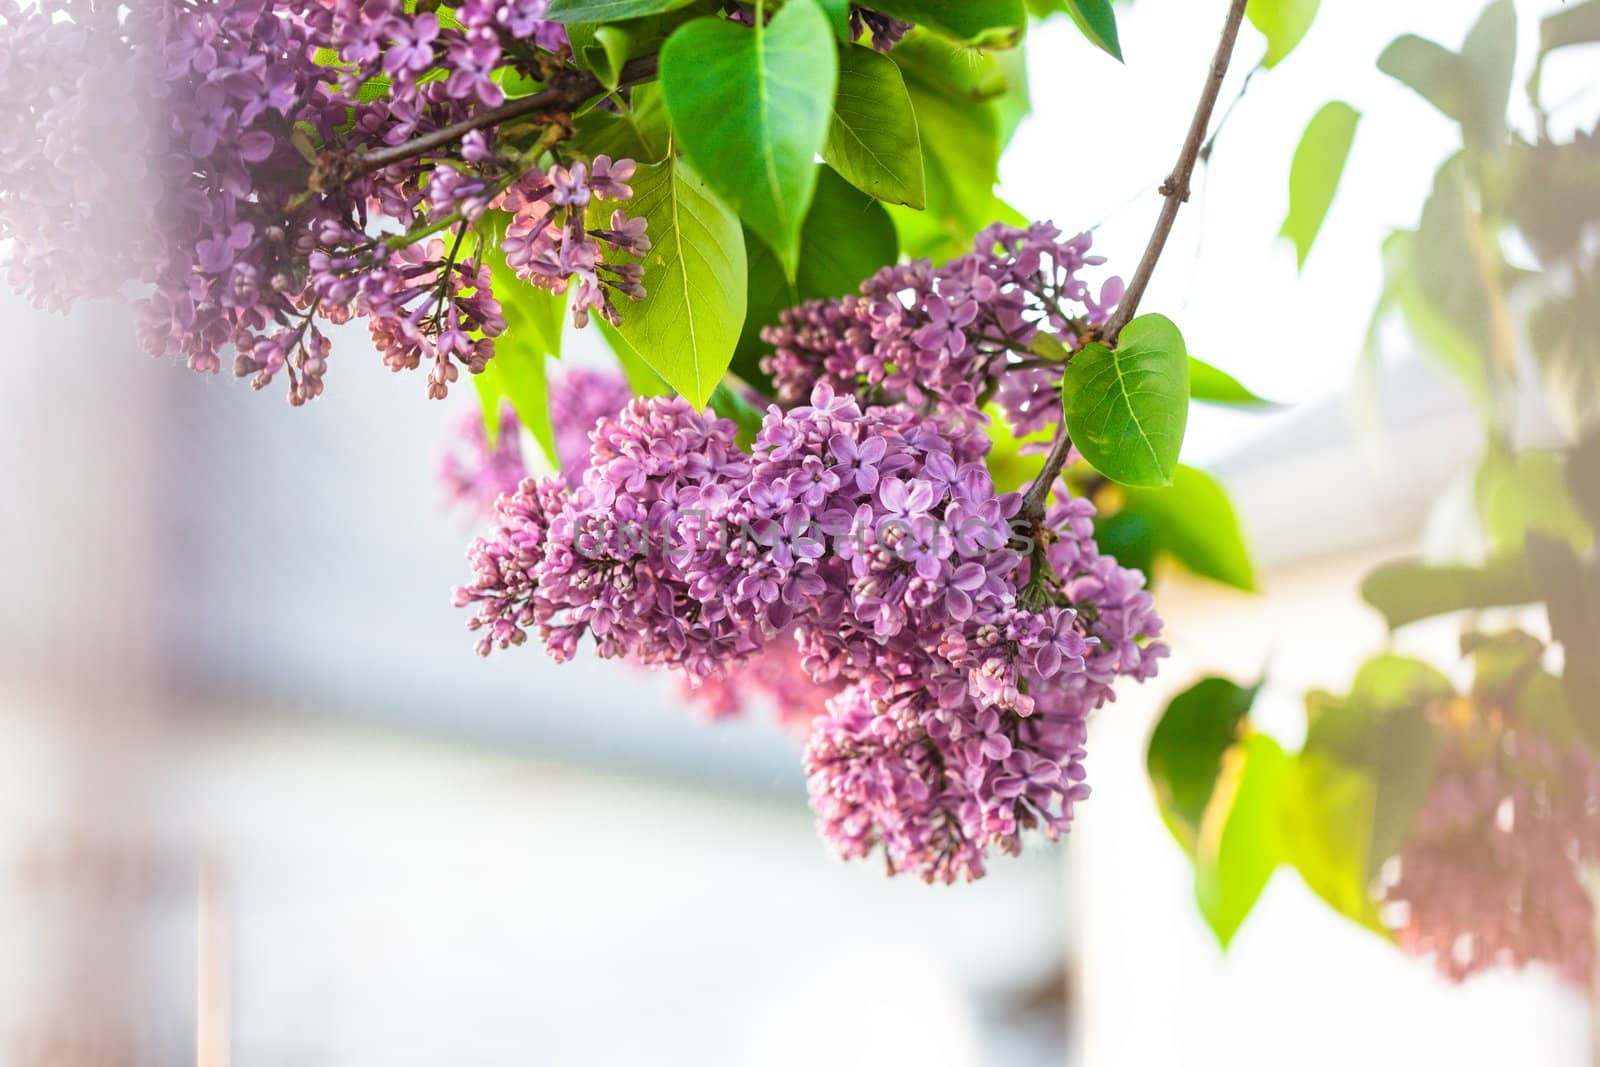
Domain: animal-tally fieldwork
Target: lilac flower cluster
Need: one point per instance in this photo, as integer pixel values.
(548, 243)
(1491, 874)
(76, 226)
(942, 340)
(678, 550)
(214, 152)
(475, 474)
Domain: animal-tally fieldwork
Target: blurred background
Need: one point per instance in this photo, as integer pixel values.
(265, 806)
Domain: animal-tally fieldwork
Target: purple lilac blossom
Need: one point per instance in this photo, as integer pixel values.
(960, 715)
(1491, 873)
(942, 340)
(222, 135)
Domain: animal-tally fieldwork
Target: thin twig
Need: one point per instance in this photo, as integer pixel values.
(1176, 187)
(568, 91)
(1176, 191)
(1227, 113)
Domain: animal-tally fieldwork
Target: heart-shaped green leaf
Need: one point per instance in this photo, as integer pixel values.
(694, 273)
(872, 139)
(1127, 408)
(750, 107)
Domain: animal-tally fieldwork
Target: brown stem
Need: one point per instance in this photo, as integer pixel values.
(1039, 493)
(1176, 187)
(568, 91)
(1176, 190)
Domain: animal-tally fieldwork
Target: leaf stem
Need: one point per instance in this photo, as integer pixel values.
(1176, 191)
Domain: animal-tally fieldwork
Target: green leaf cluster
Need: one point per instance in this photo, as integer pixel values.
(1242, 807)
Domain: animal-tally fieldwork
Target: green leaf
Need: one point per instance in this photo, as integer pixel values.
(1283, 23)
(641, 379)
(1445, 255)
(687, 327)
(1209, 385)
(1380, 730)
(535, 319)
(838, 12)
(1409, 590)
(1097, 21)
(1328, 814)
(872, 138)
(1489, 58)
(991, 23)
(1528, 491)
(1583, 477)
(1571, 591)
(1186, 750)
(1428, 68)
(1566, 340)
(570, 11)
(1434, 332)
(1194, 522)
(728, 404)
(1241, 838)
(847, 237)
(600, 49)
(1472, 87)
(751, 106)
(1508, 671)
(1552, 192)
(1127, 409)
(1573, 24)
(1126, 536)
(1397, 681)
(1318, 165)
(639, 132)
(954, 93)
